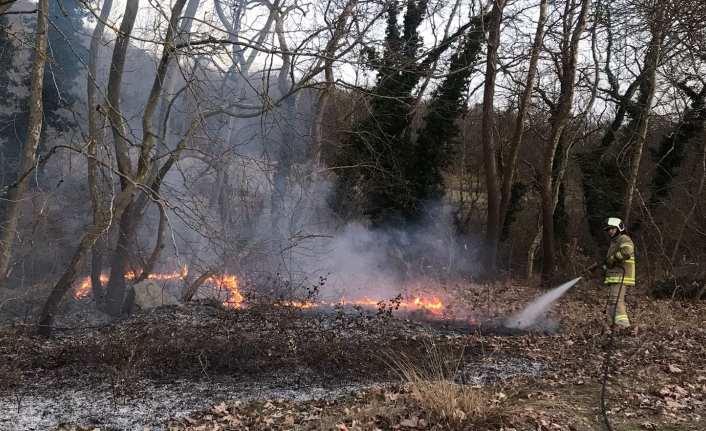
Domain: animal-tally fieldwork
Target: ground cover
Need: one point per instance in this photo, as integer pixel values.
(285, 368)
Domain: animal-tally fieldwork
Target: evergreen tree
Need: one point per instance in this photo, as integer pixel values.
(376, 156)
(383, 170)
(434, 146)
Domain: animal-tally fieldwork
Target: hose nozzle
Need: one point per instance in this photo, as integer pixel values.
(590, 269)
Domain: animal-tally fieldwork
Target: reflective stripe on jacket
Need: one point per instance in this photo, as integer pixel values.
(622, 250)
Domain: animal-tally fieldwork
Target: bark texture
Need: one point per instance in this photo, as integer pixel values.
(18, 195)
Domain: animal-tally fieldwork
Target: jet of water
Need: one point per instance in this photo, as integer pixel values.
(529, 315)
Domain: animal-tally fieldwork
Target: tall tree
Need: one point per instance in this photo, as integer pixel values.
(508, 195)
(92, 92)
(607, 169)
(377, 164)
(439, 134)
(131, 179)
(133, 214)
(573, 27)
(339, 28)
(378, 150)
(656, 17)
(493, 227)
(18, 194)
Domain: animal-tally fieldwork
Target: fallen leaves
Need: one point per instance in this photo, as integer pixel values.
(674, 369)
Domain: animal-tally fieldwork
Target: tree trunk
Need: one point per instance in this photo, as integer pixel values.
(97, 271)
(18, 195)
(329, 52)
(92, 149)
(115, 82)
(280, 178)
(5, 5)
(87, 242)
(532, 251)
(557, 184)
(194, 287)
(525, 101)
(115, 290)
(652, 59)
(128, 191)
(158, 247)
(569, 62)
(492, 234)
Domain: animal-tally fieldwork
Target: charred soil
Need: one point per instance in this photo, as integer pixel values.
(265, 367)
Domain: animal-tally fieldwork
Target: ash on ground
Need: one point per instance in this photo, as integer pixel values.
(134, 373)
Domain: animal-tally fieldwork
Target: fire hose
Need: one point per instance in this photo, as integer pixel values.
(610, 346)
(609, 351)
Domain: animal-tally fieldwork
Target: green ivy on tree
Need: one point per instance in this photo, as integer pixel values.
(384, 172)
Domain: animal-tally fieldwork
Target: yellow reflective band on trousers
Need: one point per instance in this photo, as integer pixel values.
(621, 318)
(615, 308)
(630, 281)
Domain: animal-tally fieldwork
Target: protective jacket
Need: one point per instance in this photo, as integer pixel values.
(621, 255)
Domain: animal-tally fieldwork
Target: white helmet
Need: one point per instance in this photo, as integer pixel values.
(614, 222)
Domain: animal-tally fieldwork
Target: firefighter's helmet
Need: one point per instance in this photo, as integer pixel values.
(614, 222)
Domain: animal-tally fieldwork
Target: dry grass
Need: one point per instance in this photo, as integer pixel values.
(434, 389)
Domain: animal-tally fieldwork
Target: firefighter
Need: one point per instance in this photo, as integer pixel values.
(619, 268)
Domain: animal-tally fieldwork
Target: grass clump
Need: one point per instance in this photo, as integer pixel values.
(434, 386)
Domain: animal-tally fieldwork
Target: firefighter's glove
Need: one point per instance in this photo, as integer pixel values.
(610, 262)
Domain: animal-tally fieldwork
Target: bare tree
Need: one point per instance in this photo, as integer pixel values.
(573, 27)
(524, 104)
(131, 217)
(130, 180)
(18, 194)
(648, 88)
(92, 147)
(328, 55)
(492, 234)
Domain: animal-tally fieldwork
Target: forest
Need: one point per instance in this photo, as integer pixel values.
(247, 161)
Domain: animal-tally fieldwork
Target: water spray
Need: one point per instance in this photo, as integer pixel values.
(531, 313)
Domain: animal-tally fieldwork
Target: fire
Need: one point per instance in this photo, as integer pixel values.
(434, 304)
(85, 287)
(229, 283)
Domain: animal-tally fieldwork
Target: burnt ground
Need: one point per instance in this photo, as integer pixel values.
(198, 366)
(137, 372)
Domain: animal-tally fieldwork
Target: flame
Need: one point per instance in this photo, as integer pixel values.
(229, 284)
(434, 304)
(85, 287)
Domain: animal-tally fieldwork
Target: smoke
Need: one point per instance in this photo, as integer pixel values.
(381, 263)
